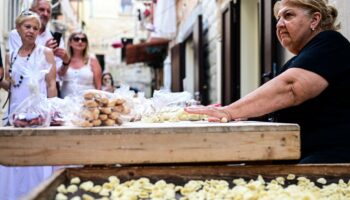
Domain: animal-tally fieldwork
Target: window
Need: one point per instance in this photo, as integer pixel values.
(126, 7)
(13, 12)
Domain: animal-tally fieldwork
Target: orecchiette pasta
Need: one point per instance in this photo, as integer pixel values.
(287, 188)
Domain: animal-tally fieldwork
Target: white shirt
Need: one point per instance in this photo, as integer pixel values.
(15, 42)
(18, 181)
(33, 69)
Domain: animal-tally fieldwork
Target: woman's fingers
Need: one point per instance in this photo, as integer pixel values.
(51, 43)
(198, 110)
(216, 114)
(59, 52)
(214, 119)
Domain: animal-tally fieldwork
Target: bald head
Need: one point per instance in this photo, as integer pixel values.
(44, 10)
(36, 2)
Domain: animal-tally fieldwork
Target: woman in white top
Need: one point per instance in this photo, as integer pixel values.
(79, 71)
(21, 65)
(21, 62)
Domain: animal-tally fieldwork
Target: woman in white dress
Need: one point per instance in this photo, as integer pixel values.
(80, 71)
(19, 65)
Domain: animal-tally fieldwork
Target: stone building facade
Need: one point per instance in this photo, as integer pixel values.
(250, 39)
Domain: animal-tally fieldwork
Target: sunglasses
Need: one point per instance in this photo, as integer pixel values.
(27, 13)
(77, 39)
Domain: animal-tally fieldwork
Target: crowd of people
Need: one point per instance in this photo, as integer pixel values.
(61, 72)
(76, 69)
(309, 90)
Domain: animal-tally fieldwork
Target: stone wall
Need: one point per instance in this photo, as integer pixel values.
(184, 9)
(211, 11)
(208, 9)
(343, 7)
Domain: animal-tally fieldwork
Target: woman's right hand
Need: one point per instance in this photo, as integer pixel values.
(61, 53)
(215, 114)
(51, 43)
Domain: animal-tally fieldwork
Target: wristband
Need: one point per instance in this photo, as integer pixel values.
(66, 64)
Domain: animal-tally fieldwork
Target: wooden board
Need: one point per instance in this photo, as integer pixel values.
(152, 51)
(182, 174)
(150, 143)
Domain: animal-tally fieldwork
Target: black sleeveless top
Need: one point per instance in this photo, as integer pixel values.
(325, 119)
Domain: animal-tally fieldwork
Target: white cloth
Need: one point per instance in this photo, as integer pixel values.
(15, 42)
(165, 19)
(69, 15)
(18, 181)
(167, 73)
(75, 81)
(33, 69)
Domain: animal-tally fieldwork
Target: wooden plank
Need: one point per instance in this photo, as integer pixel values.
(147, 52)
(231, 63)
(182, 174)
(198, 61)
(150, 143)
(177, 67)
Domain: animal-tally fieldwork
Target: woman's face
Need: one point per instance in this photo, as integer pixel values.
(79, 42)
(293, 27)
(107, 80)
(28, 30)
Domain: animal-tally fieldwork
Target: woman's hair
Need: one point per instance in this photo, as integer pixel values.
(86, 50)
(328, 12)
(110, 75)
(27, 15)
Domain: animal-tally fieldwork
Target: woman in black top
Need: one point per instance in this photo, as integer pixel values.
(312, 89)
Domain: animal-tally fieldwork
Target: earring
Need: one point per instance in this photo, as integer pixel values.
(313, 28)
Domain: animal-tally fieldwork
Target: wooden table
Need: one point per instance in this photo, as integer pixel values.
(142, 143)
(180, 175)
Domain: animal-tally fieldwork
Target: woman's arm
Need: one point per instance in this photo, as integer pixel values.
(5, 83)
(2, 75)
(51, 76)
(290, 88)
(97, 72)
(62, 53)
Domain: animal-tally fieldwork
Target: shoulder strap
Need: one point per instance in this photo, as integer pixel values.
(89, 60)
(9, 90)
(8, 99)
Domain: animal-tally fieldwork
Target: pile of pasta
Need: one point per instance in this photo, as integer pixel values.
(172, 114)
(100, 110)
(298, 188)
